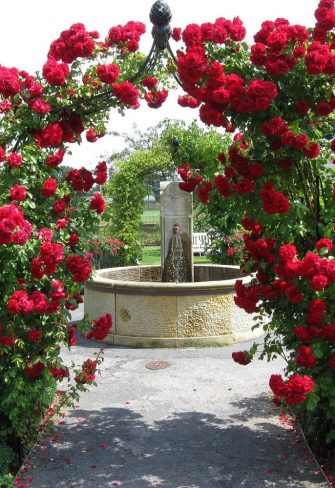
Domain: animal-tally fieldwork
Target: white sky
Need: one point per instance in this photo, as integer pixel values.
(29, 26)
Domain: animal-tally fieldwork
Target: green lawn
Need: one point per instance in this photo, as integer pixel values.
(152, 255)
(151, 216)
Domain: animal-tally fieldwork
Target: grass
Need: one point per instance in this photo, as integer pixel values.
(151, 216)
(152, 255)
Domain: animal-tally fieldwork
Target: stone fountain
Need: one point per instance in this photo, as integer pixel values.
(177, 304)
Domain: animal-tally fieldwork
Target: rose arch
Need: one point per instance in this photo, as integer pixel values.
(275, 98)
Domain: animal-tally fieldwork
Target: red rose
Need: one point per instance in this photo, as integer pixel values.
(276, 384)
(149, 82)
(14, 160)
(49, 187)
(241, 357)
(20, 303)
(176, 34)
(204, 191)
(34, 335)
(100, 328)
(108, 73)
(301, 107)
(98, 203)
(211, 116)
(10, 83)
(33, 370)
(73, 240)
(55, 73)
(50, 136)
(59, 206)
(40, 106)
(274, 202)
(188, 101)
(319, 282)
(59, 373)
(305, 357)
(192, 35)
(287, 252)
(55, 159)
(18, 193)
(127, 93)
(296, 388)
(312, 150)
(302, 334)
(155, 99)
(192, 65)
(79, 267)
(324, 242)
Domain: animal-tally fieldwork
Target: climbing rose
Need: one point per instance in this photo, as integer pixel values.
(55, 159)
(305, 357)
(40, 106)
(10, 83)
(127, 93)
(108, 73)
(155, 99)
(55, 73)
(20, 303)
(18, 193)
(73, 43)
(324, 242)
(274, 202)
(59, 373)
(241, 357)
(34, 335)
(33, 370)
(14, 160)
(100, 328)
(87, 374)
(50, 136)
(149, 82)
(98, 203)
(79, 267)
(294, 390)
(49, 187)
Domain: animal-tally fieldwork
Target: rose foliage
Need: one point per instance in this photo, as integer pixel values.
(45, 222)
(277, 100)
(276, 97)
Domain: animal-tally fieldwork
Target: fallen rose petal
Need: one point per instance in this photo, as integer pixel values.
(68, 459)
(103, 446)
(80, 420)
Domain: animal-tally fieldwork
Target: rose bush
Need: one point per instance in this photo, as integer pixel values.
(277, 98)
(45, 222)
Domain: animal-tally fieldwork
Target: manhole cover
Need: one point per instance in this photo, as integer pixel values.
(157, 365)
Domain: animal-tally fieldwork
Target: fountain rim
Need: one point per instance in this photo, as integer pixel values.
(228, 285)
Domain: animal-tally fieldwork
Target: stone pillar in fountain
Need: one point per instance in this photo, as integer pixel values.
(176, 208)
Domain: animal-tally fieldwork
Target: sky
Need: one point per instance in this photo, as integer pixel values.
(29, 26)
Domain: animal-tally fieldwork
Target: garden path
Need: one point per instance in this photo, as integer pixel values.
(202, 422)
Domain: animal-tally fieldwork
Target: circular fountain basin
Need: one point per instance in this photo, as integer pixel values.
(149, 313)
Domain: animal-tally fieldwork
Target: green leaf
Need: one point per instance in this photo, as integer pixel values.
(312, 401)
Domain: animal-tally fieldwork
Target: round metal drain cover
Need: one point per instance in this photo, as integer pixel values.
(158, 365)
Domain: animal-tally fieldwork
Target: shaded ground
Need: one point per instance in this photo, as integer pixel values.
(203, 422)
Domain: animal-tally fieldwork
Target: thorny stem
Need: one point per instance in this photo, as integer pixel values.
(305, 190)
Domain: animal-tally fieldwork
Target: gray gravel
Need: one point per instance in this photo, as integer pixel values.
(203, 422)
